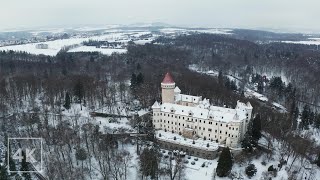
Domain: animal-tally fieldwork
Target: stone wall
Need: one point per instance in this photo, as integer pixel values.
(206, 154)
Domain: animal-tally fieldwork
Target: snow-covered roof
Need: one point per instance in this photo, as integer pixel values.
(177, 90)
(155, 105)
(188, 98)
(212, 112)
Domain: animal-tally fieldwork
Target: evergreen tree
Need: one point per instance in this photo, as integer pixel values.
(305, 117)
(256, 128)
(79, 92)
(81, 155)
(318, 160)
(139, 79)
(4, 173)
(67, 101)
(133, 80)
(220, 78)
(149, 162)
(246, 143)
(224, 163)
(251, 170)
(24, 167)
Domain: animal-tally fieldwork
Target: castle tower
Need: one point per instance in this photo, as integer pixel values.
(168, 86)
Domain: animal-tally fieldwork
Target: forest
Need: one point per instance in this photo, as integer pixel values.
(38, 91)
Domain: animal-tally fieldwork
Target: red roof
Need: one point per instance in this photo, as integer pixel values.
(168, 79)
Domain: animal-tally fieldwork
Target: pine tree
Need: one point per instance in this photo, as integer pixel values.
(318, 160)
(67, 101)
(81, 155)
(3, 173)
(224, 163)
(79, 92)
(256, 128)
(24, 167)
(133, 81)
(149, 162)
(305, 117)
(140, 79)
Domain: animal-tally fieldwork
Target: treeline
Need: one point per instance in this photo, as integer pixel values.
(300, 64)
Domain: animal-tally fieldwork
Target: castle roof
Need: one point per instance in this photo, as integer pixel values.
(155, 105)
(167, 79)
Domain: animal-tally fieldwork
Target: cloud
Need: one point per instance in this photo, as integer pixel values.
(214, 13)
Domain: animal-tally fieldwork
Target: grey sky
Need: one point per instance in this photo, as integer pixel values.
(277, 14)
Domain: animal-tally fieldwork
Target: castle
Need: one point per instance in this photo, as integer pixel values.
(192, 116)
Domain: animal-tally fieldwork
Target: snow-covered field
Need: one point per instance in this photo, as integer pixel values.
(107, 51)
(311, 41)
(55, 46)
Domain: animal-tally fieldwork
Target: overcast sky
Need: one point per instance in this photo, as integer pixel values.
(275, 14)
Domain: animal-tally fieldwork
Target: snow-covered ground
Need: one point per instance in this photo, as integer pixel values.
(198, 143)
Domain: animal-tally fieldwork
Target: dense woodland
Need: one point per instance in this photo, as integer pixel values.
(33, 87)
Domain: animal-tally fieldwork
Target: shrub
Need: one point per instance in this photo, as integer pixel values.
(193, 142)
(208, 145)
(174, 138)
(270, 168)
(159, 134)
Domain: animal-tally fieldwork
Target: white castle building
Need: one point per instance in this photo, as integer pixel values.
(192, 116)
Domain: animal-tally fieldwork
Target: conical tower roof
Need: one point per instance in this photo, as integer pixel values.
(167, 79)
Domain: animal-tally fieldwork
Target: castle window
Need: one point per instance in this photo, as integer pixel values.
(179, 124)
(164, 107)
(183, 125)
(168, 115)
(190, 114)
(204, 128)
(232, 128)
(182, 110)
(216, 124)
(154, 114)
(209, 130)
(227, 125)
(188, 119)
(236, 129)
(182, 117)
(171, 122)
(204, 122)
(161, 114)
(220, 124)
(175, 123)
(209, 136)
(172, 111)
(199, 128)
(201, 114)
(236, 136)
(220, 132)
(195, 127)
(179, 117)
(215, 131)
(171, 115)
(229, 135)
(160, 120)
(164, 121)
(226, 133)
(175, 116)
(196, 120)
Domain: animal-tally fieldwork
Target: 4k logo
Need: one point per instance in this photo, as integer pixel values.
(29, 158)
(30, 151)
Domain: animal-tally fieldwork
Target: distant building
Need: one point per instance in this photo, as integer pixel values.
(193, 117)
(42, 46)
